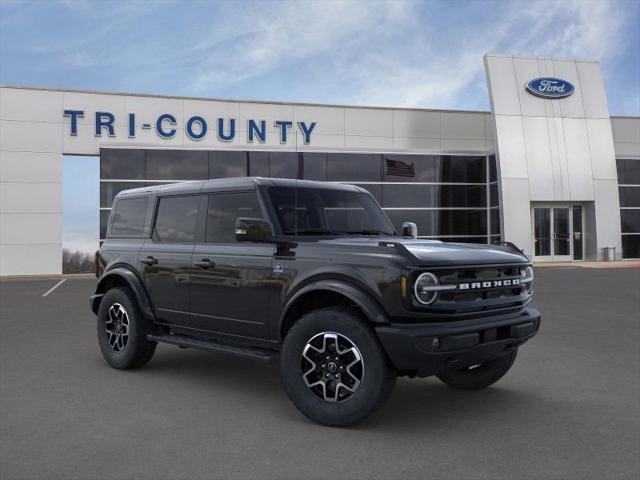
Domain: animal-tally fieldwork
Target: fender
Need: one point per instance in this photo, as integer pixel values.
(133, 281)
(372, 310)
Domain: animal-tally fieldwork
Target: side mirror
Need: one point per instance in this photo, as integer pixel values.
(253, 230)
(410, 229)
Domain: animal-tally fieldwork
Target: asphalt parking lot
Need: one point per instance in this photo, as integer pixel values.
(570, 407)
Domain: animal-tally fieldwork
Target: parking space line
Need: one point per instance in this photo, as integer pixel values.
(54, 287)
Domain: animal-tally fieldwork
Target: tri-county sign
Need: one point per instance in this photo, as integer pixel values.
(196, 127)
(550, 87)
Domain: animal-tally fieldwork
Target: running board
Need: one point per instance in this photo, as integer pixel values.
(209, 346)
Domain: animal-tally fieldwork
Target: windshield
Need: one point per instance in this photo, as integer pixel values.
(318, 211)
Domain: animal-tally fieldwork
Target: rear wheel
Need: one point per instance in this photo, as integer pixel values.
(122, 331)
(477, 377)
(333, 367)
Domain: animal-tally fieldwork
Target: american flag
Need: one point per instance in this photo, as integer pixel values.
(399, 168)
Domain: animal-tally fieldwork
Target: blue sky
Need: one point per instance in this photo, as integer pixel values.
(391, 53)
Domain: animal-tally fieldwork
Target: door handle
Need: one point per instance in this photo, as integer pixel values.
(149, 260)
(204, 263)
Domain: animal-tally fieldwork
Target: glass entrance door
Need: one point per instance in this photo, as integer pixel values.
(557, 232)
(561, 234)
(542, 233)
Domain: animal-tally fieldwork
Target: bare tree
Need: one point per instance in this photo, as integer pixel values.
(77, 262)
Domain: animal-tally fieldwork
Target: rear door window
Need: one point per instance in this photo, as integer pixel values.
(176, 219)
(127, 219)
(224, 209)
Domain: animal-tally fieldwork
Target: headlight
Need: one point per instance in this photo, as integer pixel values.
(425, 289)
(526, 278)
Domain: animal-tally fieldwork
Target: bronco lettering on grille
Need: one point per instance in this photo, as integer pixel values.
(489, 284)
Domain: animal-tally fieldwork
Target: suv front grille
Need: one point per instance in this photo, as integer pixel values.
(480, 289)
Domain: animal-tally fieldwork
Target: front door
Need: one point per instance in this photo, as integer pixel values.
(230, 292)
(557, 232)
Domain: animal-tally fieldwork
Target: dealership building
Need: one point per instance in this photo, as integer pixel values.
(547, 168)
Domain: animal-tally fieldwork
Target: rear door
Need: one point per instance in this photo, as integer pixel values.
(166, 257)
(229, 294)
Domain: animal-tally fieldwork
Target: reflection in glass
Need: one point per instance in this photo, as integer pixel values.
(314, 166)
(224, 209)
(128, 217)
(431, 196)
(315, 211)
(122, 164)
(225, 164)
(542, 228)
(349, 167)
(494, 215)
(493, 169)
(493, 195)
(176, 219)
(630, 221)
(258, 164)
(109, 190)
(283, 165)
(629, 196)
(577, 232)
(442, 222)
(631, 246)
(177, 165)
(104, 222)
(410, 168)
(462, 169)
(561, 239)
(405, 196)
(375, 190)
(628, 171)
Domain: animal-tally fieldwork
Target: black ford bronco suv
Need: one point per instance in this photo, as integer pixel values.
(311, 274)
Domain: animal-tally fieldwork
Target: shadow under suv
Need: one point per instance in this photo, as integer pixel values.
(312, 275)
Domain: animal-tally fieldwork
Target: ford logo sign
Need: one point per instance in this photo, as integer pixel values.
(550, 87)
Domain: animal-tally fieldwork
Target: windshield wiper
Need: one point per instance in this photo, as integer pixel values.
(367, 232)
(336, 232)
(314, 232)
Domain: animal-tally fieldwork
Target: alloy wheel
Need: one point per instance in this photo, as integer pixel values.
(332, 366)
(117, 327)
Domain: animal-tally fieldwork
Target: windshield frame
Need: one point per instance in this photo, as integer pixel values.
(265, 192)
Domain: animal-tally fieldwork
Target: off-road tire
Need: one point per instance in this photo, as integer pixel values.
(482, 375)
(137, 350)
(378, 375)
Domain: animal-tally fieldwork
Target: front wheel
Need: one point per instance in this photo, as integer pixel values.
(477, 377)
(333, 367)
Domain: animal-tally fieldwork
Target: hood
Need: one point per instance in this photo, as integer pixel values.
(436, 253)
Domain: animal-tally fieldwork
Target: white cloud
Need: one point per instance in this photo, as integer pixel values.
(387, 52)
(562, 29)
(277, 37)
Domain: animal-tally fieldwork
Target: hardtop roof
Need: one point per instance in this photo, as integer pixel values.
(230, 184)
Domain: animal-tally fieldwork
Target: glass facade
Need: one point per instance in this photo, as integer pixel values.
(449, 197)
(629, 191)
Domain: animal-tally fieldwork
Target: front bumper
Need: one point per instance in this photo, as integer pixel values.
(430, 348)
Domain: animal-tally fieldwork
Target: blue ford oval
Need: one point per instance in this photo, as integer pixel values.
(550, 87)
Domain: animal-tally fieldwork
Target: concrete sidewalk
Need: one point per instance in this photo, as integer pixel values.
(586, 264)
